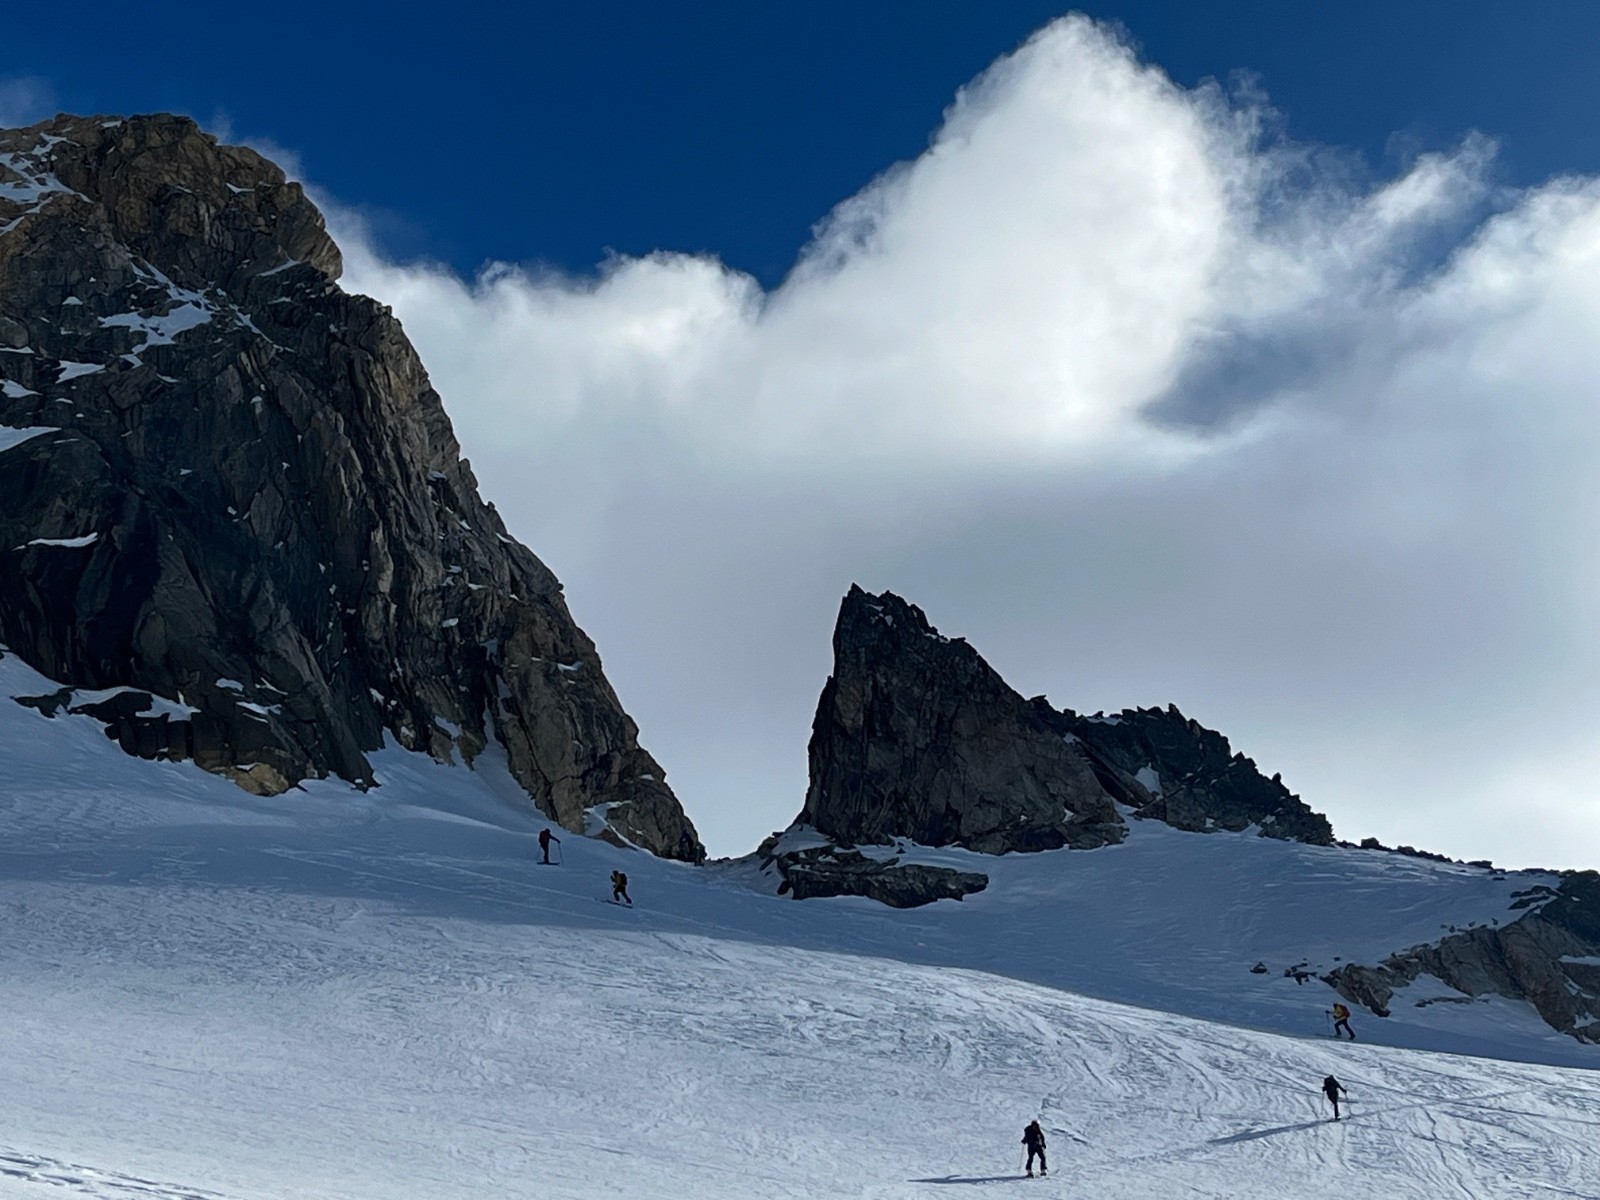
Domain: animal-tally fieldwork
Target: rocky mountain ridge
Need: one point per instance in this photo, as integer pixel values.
(917, 737)
(239, 524)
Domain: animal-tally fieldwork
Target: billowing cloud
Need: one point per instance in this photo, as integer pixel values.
(1148, 403)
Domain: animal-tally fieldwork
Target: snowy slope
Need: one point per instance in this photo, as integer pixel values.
(1175, 920)
(328, 994)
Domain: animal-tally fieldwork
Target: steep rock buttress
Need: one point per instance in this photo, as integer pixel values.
(238, 523)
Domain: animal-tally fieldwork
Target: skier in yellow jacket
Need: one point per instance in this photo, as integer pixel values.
(1341, 1020)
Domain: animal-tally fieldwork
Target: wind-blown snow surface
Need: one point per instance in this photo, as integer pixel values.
(214, 996)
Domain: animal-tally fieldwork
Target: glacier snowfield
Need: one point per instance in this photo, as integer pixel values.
(212, 996)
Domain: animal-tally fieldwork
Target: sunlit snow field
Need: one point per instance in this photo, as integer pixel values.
(213, 996)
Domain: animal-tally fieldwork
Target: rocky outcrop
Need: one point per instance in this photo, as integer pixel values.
(917, 737)
(1191, 776)
(1549, 957)
(820, 871)
(231, 489)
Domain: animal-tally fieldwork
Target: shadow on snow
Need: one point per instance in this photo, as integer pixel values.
(969, 1179)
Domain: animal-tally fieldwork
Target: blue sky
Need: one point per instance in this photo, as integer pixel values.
(552, 132)
(1271, 398)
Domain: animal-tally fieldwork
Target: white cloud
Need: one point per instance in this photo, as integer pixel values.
(1147, 405)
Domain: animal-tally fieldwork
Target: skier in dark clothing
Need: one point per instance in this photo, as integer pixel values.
(1331, 1088)
(1341, 1020)
(687, 851)
(1033, 1139)
(619, 888)
(545, 838)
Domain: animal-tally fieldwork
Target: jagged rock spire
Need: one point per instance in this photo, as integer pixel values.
(916, 736)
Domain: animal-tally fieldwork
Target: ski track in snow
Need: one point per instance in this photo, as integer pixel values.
(51, 1177)
(335, 995)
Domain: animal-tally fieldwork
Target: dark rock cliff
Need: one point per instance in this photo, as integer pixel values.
(230, 485)
(917, 737)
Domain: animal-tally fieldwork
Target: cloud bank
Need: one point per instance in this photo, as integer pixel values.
(1145, 401)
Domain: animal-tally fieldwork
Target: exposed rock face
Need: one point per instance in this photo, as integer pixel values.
(1549, 957)
(1191, 777)
(917, 737)
(830, 871)
(230, 485)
